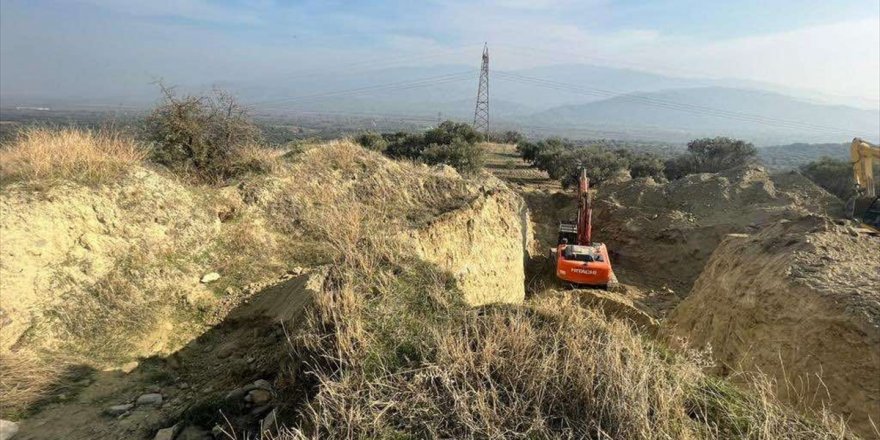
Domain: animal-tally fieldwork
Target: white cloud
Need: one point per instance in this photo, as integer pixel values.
(837, 58)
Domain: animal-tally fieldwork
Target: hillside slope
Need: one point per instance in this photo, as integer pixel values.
(404, 318)
(798, 301)
(102, 275)
(663, 233)
(650, 110)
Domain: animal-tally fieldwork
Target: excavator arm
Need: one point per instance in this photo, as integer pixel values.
(862, 155)
(585, 211)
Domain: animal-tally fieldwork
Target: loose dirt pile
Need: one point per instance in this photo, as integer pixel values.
(102, 275)
(799, 301)
(661, 234)
(193, 385)
(72, 255)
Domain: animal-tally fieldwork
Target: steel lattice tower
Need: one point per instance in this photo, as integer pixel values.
(481, 112)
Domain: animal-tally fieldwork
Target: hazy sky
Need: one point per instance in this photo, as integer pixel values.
(110, 47)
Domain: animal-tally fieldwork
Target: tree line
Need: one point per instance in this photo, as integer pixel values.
(562, 159)
(452, 143)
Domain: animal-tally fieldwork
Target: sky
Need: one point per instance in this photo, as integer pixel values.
(78, 48)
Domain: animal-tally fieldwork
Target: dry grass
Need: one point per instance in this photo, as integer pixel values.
(396, 354)
(550, 370)
(28, 379)
(104, 322)
(254, 159)
(42, 154)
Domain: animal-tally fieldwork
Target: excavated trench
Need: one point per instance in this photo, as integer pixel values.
(743, 262)
(495, 245)
(483, 242)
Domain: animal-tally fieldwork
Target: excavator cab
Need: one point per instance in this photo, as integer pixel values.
(586, 265)
(568, 233)
(871, 216)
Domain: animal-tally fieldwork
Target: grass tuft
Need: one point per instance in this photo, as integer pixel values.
(40, 155)
(29, 381)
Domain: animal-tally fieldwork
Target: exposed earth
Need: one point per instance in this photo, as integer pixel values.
(749, 263)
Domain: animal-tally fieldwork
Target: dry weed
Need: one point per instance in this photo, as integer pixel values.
(28, 379)
(255, 159)
(550, 370)
(42, 154)
(397, 355)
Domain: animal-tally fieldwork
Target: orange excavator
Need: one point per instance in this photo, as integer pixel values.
(580, 260)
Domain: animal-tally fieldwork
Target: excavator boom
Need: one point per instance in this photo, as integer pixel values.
(585, 211)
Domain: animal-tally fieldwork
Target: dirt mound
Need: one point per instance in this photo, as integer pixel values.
(616, 305)
(109, 273)
(661, 234)
(800, 302)
(195, 382)
(59, 241)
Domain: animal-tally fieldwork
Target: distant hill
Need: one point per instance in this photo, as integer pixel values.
(683, 113)
(567, 100)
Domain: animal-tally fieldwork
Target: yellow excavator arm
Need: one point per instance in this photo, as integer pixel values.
(862, 155)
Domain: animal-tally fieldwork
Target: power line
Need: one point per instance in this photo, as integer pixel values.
(372, 64)
(400, 85)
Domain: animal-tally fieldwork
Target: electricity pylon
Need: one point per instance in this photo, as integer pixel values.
(481, 112)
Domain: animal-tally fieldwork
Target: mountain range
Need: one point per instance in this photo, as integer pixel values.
(571, 100)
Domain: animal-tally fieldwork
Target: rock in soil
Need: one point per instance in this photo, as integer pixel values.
(116, 410)
(194, 433)
(258, 397)
(263, 384)
(166, 433)
(210, 277)
(150, 399)
(7, 429)
(267, 425)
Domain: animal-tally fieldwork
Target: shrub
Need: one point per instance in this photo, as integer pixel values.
(200, 134)
(465, 157)
(680, 166)
(451, 143)
(527, 150)
(562, 160)
(372, 141)
(646, 165)
(41, 154)
(711, 155)
(405, 145)
(546, 153)
(835, 176)
(449, 131)
(601, 165)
